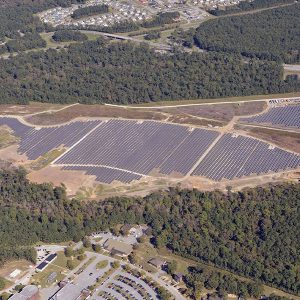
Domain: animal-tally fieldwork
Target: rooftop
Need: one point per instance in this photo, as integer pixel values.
(117, 246)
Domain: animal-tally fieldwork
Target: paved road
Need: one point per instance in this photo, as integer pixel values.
(129, 38)
(292, 67)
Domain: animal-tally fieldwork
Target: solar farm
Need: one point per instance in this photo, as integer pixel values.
(115, 150)
(282, 116)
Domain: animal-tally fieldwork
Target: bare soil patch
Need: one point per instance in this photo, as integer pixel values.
(283, 139)
(92, 111)
(11, 155)
(73, 180)
(12, 109)
(9, 267)
(220, 112)
(185, 119)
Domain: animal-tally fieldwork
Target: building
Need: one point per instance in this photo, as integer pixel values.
(42, 266)
(157, 262)
(70, 291)
(51, 257)
(117, 248)
(29, 292)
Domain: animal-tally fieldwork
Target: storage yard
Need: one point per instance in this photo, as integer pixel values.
(124, 151)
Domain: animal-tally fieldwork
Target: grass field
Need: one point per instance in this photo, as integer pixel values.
(46, 159)
(102, 264)
(59, 266)
(216, 100)
(6, 138)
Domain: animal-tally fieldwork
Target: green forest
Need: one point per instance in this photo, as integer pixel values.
(252, 233)
(69, 35)
(269, 35)
(249, 5)
(89, 11)
(99, 71)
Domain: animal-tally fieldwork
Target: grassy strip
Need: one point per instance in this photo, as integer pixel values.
(216, 100)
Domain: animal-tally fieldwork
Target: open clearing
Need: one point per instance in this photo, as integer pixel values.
(220, 112)
(91, 111)
(284, 139)
(109, 150)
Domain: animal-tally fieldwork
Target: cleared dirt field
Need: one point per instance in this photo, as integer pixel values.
(73, 180)
(220, 112)
(34, 107)
(93, 111)
(9, 267)
(283, 139)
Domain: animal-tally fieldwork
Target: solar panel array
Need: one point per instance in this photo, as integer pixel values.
(106, 175)
(36, 142)
(235, 157)
(141, 147)
(125, 150)
(286, 116)
(19, 128)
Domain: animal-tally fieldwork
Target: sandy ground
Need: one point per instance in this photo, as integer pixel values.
(73, 180)
(9, 267)
(10, 154)
(7, 109)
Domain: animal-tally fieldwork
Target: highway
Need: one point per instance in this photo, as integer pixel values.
(129, 38)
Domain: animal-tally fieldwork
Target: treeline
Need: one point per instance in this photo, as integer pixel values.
(268, 35)
(125, 26)
(200, 278)
(251, 233)
(18, 15)
(26, 42)
(161, 19)
(89, 11)
(99, 71)
(247, 6)
(68, 35)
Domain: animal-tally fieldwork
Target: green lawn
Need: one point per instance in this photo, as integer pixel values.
(102, 264)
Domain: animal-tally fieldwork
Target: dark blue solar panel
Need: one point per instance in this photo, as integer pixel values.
(235, 157)
(286, 116)
(106, 175)
(141, 147)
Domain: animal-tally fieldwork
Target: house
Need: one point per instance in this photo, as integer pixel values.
(117, 248)
(157, 262)
(29, 292)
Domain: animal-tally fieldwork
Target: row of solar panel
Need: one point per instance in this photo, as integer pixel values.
(235, 157)
(141, 147)
(106, 175)
(286, 116)
(36, 142)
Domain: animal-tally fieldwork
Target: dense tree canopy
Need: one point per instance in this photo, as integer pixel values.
(68, 35)
(253, 232)
(248, 5)
(272, 34)
(26, 42)
(18, 15)
(99, 71)
(89, 10)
